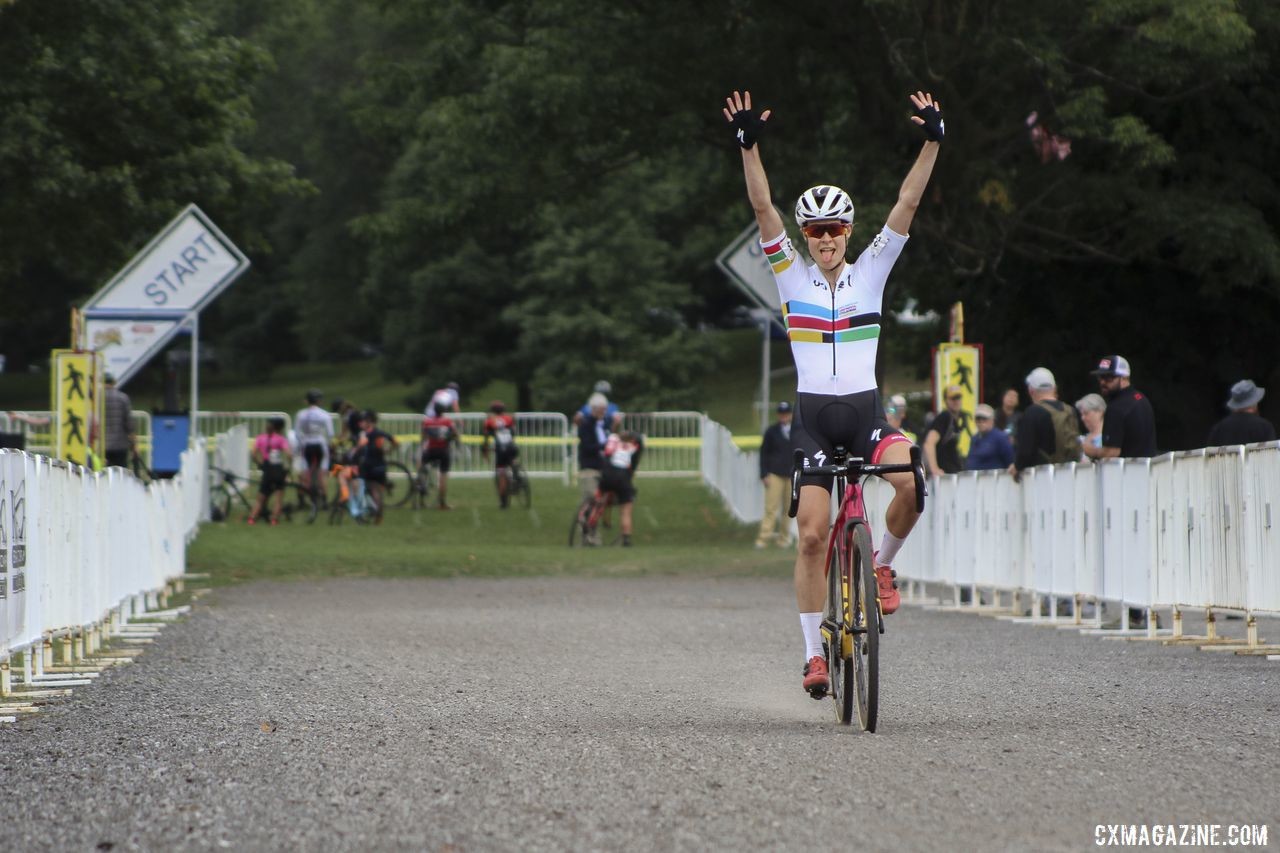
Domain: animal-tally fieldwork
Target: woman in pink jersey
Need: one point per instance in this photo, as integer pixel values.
(271, 452)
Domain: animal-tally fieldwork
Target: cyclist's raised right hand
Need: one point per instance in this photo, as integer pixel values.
(748, 125)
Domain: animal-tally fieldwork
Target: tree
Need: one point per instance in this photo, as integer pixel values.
(111, 120)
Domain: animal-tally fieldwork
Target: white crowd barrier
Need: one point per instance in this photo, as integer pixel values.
(732, 473)
(1194, 529)
(77, 544)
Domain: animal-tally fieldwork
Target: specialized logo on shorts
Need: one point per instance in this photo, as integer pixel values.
(878, 244)
(875, 434)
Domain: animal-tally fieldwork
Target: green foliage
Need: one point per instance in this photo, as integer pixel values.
(114, 116)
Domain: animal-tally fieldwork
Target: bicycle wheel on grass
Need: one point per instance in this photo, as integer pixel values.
(866, 621)
(837, 623)
(578, 531)
(519, 487)
(399, 488)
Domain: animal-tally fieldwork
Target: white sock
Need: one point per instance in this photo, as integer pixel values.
(889, 547)
(811, 625)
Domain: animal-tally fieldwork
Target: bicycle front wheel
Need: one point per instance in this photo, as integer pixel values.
(399, 488)
(837, 626)
(866, 618)
(581, 516)
(520, 487)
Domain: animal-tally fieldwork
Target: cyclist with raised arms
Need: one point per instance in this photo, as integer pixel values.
(832, 310)
(314, 429)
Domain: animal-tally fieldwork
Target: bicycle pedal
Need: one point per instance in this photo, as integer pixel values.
(818, 693)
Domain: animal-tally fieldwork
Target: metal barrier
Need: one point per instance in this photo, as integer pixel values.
(672, 442)
(733, 473)
(543, 439)
(212, 423)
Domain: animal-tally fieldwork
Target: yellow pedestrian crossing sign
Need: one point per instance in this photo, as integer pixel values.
(959, 365)
(77, 403)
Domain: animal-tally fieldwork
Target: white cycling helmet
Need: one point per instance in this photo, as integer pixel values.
(823, 204)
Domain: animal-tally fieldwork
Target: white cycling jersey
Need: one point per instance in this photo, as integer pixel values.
(834, 334)
(442, 401)
(313, 426)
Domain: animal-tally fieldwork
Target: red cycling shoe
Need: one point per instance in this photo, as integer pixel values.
(816, 680)
(888, 589)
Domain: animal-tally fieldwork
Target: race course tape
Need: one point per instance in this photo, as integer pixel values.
(746, 442)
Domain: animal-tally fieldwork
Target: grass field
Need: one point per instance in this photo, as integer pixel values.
(680, 528)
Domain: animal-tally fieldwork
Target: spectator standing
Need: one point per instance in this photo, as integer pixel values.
(1049, 429)
(942, 440)
(271, 452)
(118, 434)
(1244, 425)
(990, 449)
(1129, 425)
(612, 413)
(1092, 409)
(775, 474)
(895, 413)
(1008, 415)
(1128, 429)
(593, 433)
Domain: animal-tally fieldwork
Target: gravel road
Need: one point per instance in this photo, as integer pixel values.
(641, 714)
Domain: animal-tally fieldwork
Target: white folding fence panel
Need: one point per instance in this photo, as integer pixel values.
(732, 473)
(944, 532)
(1065, 527)
(1263, 535)
(212, 423)
(1086, 541)
(966, 528)
(1038, 483)
(1225, 469)
(1168, 538)
(1191, 577)
(14, 546)
(1136, 550)
(1110, 492)
(987, 544)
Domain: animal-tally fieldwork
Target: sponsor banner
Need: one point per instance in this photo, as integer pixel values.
(125, 345)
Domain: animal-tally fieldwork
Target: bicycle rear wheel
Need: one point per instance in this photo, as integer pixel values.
(866, 623)
(837, 623)
(520, 486)
(399, 486)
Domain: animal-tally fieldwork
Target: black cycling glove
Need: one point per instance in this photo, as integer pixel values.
(747, 127)
(934, 127)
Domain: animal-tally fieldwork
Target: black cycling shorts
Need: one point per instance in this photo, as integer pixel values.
(440, 456)
(313, 454)
(374, 473)
(273, 479)
(504, 456)
(854, 421)
(617, 481)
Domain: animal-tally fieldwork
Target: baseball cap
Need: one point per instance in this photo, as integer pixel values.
(1041, 379)
(784, 407)
(1112, 365)
(982, 410)
(898, 401)
(954, 391)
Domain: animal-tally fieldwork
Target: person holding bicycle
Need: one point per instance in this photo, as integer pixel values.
(271, 452)
(621, 456)
(372, 448)
(832, 310)
(314, 429)
(438, 437)
(500, 427)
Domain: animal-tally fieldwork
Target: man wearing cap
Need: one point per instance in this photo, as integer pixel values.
(989, 449)
(775, 473)
(942, 440)
(1129, 426)
(118, 438)
(1049, 430)
(1244, 425)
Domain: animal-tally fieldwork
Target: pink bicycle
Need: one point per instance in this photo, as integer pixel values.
(852, 621)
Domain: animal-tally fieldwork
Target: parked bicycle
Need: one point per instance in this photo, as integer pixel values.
(852, 621)
(518, 489)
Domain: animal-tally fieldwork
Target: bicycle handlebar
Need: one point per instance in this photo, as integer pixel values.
(855, 468)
